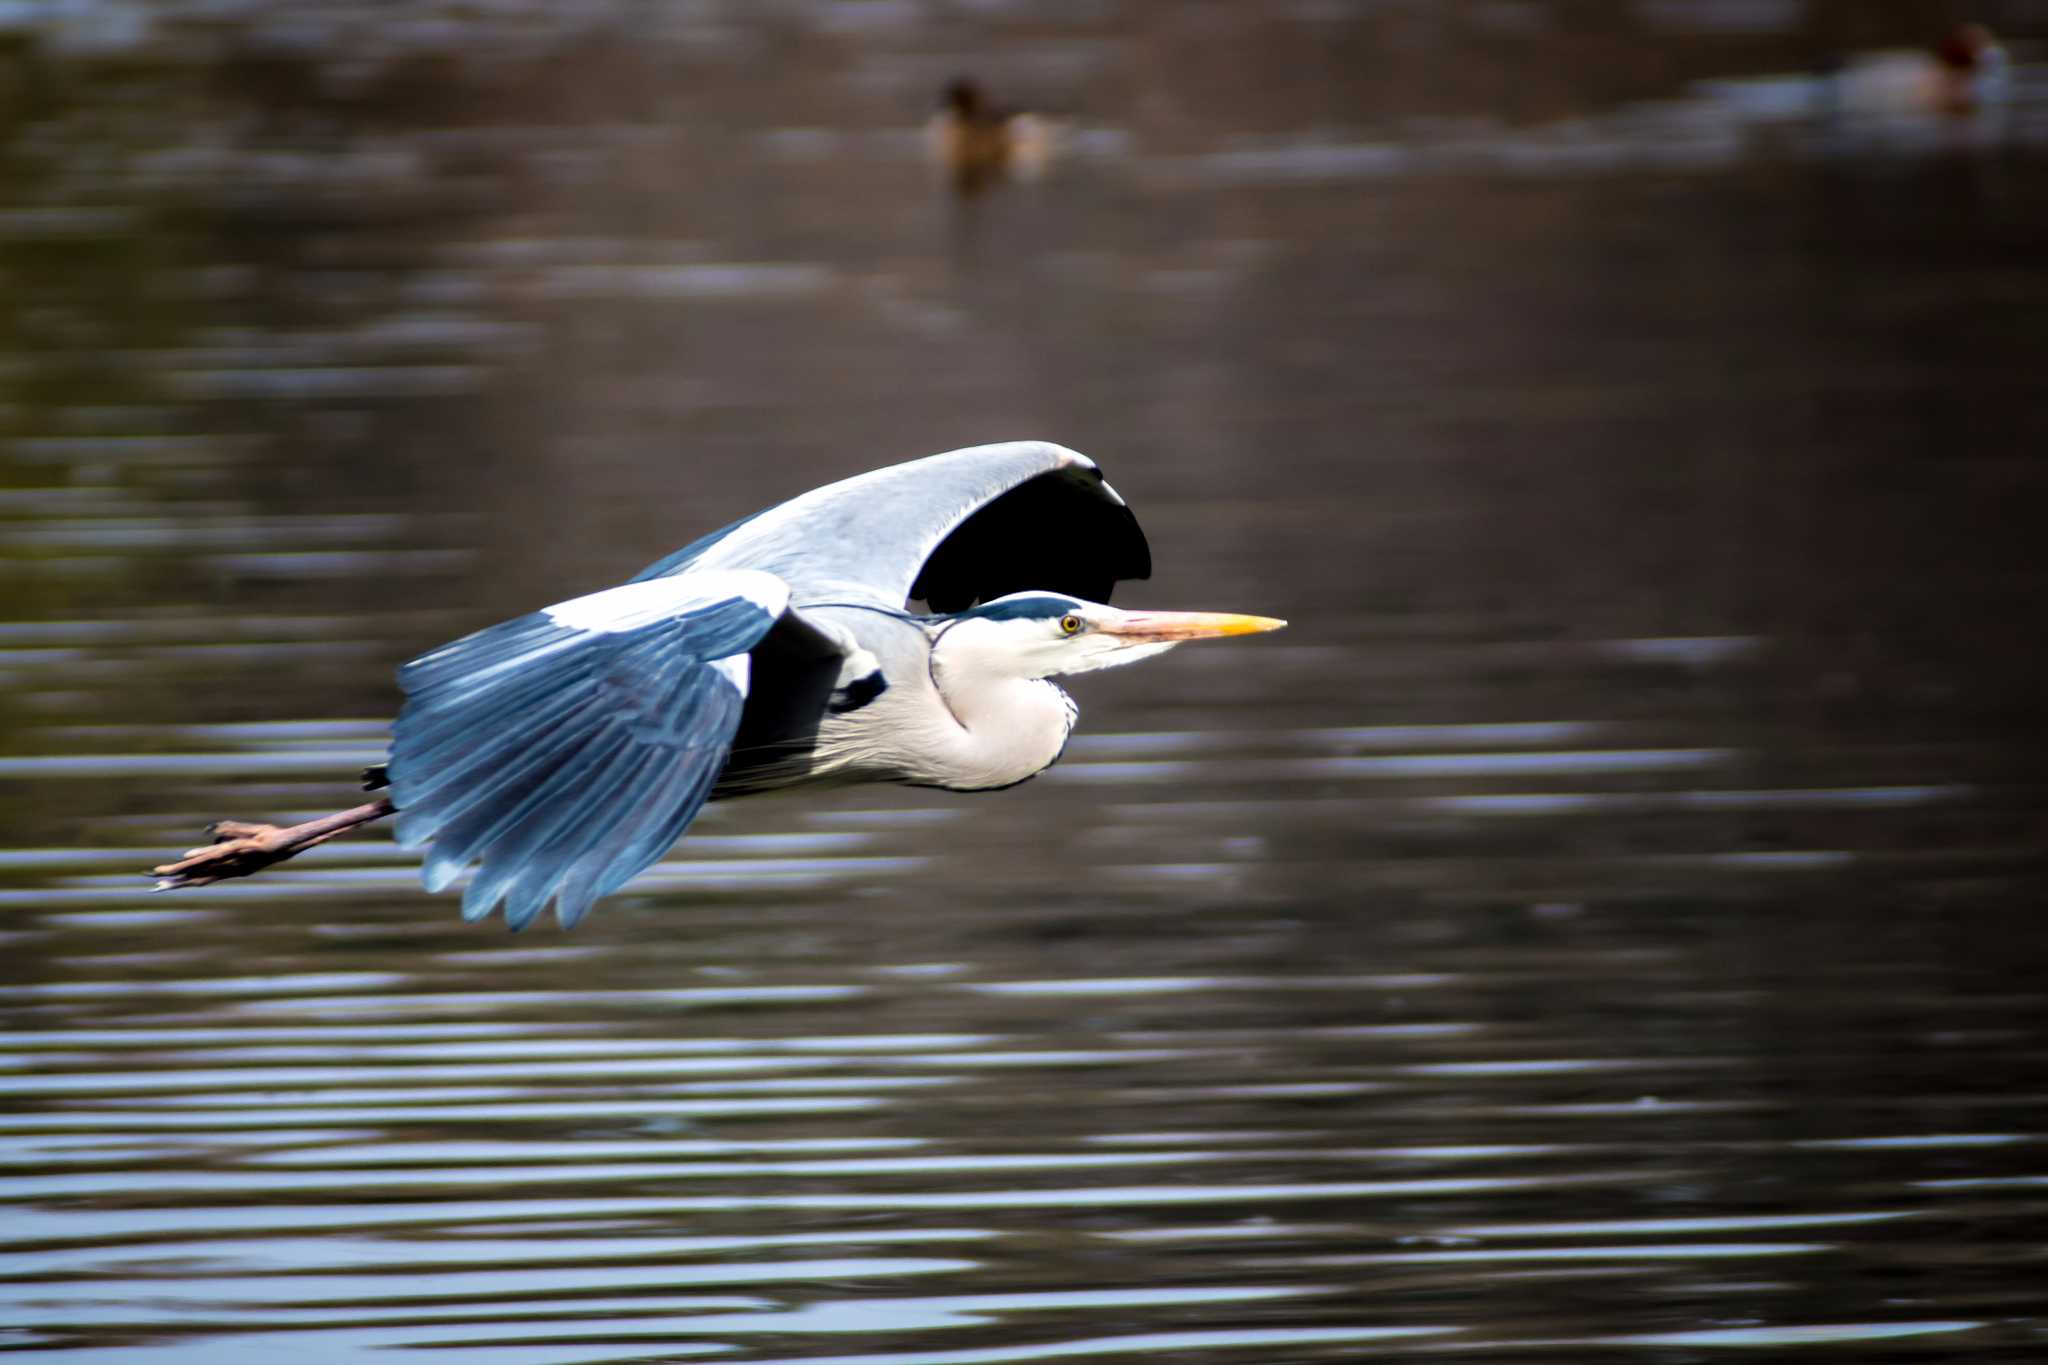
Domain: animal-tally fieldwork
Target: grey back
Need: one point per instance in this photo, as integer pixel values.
(948, 530)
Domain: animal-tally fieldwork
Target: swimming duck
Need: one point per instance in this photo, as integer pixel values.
(977, 145)
(1961, 75)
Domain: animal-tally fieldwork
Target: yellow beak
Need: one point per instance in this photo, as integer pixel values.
(1185, 625)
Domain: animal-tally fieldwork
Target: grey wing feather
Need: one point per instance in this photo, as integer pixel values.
(951, 529)
(567, 749)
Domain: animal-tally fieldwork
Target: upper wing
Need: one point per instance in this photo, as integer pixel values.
(950, 530)
(569, 748)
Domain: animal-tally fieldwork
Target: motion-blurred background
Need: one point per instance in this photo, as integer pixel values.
(1607, 921)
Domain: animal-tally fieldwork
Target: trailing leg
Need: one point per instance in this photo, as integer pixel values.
(240, 849)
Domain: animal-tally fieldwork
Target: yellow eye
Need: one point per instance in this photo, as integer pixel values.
(1070, 625)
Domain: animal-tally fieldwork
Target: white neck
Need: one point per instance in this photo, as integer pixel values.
(1009, 727)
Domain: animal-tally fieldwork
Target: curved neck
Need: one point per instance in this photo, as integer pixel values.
(1008, 727)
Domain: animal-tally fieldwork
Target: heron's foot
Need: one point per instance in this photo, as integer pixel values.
(238, 849)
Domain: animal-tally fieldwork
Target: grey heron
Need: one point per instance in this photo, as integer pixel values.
(566, 750)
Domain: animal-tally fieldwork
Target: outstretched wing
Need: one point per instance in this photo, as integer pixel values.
(569, 748)
(950, 530)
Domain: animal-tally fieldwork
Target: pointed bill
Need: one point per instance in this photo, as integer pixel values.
(1175, 626)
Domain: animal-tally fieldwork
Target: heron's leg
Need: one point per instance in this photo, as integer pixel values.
(239, 849)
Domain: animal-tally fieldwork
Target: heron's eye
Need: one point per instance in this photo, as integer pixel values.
(1070, 625)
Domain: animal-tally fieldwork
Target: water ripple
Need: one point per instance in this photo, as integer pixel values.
(1604, 923)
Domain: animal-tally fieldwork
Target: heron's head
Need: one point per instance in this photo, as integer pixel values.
(1040, 634)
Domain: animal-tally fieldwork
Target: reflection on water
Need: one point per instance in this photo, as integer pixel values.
(1605, 925)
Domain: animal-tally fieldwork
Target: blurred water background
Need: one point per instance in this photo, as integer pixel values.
(1606, 925)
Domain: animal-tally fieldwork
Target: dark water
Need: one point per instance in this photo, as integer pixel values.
(1605, 925)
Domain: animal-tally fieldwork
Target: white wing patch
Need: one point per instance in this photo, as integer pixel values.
(735, 669)
(632, 606)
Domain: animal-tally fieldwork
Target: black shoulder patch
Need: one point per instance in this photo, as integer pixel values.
(858, 693)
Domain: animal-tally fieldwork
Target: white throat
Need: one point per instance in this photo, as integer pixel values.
(1008, 727)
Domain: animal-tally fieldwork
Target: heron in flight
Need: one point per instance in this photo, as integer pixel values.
(564, 751)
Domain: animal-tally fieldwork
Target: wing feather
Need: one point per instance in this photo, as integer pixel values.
(958, 528)
(569, 748)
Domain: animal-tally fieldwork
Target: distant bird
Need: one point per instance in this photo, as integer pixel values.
(567, 749)
(977, 145)
(1966, 72)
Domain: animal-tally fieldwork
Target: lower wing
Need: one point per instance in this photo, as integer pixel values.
(569, 748)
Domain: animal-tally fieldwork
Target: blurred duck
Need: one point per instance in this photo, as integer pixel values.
(1973, 69)
(1964, 73)
(976, 144)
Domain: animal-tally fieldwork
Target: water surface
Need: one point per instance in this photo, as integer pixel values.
(1604, 926)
